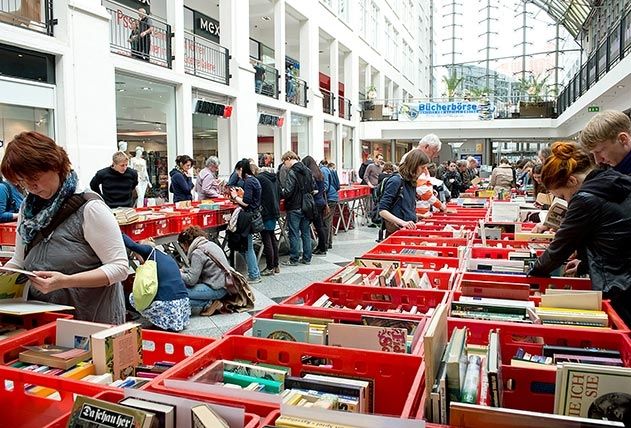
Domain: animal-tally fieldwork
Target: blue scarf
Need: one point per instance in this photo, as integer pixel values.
(37, 213)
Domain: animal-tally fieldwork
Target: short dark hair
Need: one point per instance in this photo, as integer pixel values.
(189, 234)
(244, 166)
(183, 159)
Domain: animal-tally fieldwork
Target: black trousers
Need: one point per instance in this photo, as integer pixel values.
(270, 248)
(321, 231)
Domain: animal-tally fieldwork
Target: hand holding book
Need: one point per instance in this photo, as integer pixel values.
(48, 281)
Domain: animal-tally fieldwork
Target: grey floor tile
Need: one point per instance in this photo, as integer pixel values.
(205, 332)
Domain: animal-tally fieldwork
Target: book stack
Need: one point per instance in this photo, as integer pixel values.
(483, 308)
(325, 301)
(552, 355)
(125, 215)
(573, 317)
(418, 252)
(515, 267)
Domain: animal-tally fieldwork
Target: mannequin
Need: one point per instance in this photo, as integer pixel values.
(122, 146)
(140, 165)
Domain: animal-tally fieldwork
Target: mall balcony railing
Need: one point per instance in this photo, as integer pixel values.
(493, 107)
(265, 79)
(344, 107)
(607, 55)
(207, 59)
(328, 101)
(124, 42)
(17, 12)
(296, 91)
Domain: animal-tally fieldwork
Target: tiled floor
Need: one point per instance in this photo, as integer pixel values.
(346, 246)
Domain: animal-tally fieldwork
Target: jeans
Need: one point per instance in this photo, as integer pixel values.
(202, 294)
(321, 231)
(328, 223)
(299, 228)
(270, 244)
(250, 260)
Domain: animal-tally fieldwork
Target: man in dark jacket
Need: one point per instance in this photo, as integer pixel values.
(116, 183)
(270, 211)
(299, 182)
(607, 136)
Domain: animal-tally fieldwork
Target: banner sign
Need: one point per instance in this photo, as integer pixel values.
(458, 110)
(205, 26)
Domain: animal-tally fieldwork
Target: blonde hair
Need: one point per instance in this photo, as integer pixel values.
(289, 155)
(567, 158)
(603, 127)
(119, 157)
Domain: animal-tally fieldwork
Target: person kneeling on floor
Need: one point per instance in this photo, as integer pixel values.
(206, 281)
(170, 308)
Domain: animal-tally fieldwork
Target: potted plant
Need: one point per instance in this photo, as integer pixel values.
(371, 95)
(535, 88)
(452, 82)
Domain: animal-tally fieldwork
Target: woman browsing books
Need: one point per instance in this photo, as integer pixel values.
(597, 224)
(68, 238)
(397, 206)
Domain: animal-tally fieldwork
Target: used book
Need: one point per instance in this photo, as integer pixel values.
(117, 350)
(54, 356)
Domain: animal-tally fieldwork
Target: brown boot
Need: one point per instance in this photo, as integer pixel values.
(211, 308)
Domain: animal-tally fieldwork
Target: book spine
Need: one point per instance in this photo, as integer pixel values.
(494, 389)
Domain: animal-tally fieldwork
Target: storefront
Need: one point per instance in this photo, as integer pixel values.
(300, 135)
(268, 136)
(145, 119)
(330, 142)
(211, 114)
(27, 92)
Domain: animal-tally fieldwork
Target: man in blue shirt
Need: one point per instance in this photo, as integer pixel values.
(331, 186)
(607, 136)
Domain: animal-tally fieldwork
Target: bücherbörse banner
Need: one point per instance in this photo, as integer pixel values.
(457, 110)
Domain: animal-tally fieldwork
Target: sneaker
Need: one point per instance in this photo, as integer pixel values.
(276, 269)
(330, 247)
(289, 263)
(211, 308)
(267, 272)
(254, 280)
(319, 253)
(372, 225)
(305, 262)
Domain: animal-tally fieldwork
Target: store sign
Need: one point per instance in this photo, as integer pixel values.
(210, 108)
(205, 26)
(442, 111)
(271, 120)
(137, 4)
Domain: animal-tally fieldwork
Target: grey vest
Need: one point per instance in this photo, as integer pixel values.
(67, 251)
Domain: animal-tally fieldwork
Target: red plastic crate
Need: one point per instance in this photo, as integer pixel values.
(337, 315)
(615, 322)
(495, 253)
(455, 222)
(383, 248)
(162, 227)
(504, 243)
(536, 284)
(412, 241)
(440, 280)
(423, 262)
(381, 298)
(533, 389)
(157, 345)
(8, 231)
(423, 232)
(23, 410)
(206, 219)
(397, 377)
(32, 321)
(179, 222)
(139, 230)
(250, 420)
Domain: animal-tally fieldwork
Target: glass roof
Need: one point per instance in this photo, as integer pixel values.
(569, 13)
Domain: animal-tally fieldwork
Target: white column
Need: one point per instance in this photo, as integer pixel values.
(236, 37)
(367, 79)
(391, 91)
(279, 48)
(284, 136)
(86, 120)
(223, 146)
(175, 18)
(335, 78)
(309, 71)
(351, 83)
(380, 84)
(184, 114)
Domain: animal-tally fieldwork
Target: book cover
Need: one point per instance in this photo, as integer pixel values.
(254, 370)
(165, 413)
(293, 331)
(76, 334)
(376, 263)
(556, 214)
(366, 396)
(595, 392)
(90, 412)
(434, 343)
(53, 356)
(203, 416)
(494, 370)
(371, 338)
(348, 390)
(117, 350)
(495, 290)
(456, 363)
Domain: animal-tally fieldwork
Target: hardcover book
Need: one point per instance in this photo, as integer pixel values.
(54, 356)
(281, 330)
(117, 350)
(92, 413)
(371, 338)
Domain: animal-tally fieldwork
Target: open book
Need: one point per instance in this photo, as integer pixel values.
(556, 214)
(14, 286)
